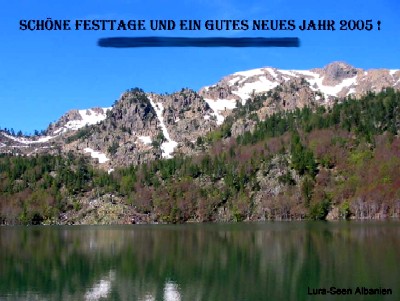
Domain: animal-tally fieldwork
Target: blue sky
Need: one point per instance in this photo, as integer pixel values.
(44, 74)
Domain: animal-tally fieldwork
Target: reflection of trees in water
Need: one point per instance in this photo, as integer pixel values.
(197, 262)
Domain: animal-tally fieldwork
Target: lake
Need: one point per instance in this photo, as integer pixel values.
(221, 262)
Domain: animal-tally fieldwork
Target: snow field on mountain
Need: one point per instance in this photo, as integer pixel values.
(97, 155)
(315, 81)
(24, 140)
(89, 117)
(219, 106)
(169, 146)
(145, 139)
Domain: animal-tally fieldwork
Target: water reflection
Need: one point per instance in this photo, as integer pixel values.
(272, 261)
(101, 289)
(171, 292)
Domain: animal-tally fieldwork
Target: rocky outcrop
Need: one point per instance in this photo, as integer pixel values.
(118, 137)
(186, 115)
(239, 127)
(106, 209)
(336, 72)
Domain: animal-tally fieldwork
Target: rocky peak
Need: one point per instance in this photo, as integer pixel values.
(133, 113)
(334, 73)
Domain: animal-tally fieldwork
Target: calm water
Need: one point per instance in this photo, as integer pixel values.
(269, 261)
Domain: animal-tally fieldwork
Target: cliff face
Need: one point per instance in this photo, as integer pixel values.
(143, 126)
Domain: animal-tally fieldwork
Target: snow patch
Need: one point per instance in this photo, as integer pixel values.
(24, 140)
(315, 81)
(169, 146)
(288, 73)
(335, 90)
(249, 73)
(303, 72)
(59, 131)
(394, 72)
(235, 80)
(145, 139)
(89, 117)
(97, 155)
(272, 72)
(220, 105)
(262, 85)
(110, 170)
(44, 139)
(352, 91)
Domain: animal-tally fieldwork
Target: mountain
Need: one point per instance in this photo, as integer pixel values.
(322, 85)
(141, 127)
(260, 144)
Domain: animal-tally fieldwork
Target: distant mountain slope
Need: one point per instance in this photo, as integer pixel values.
(336, 80)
